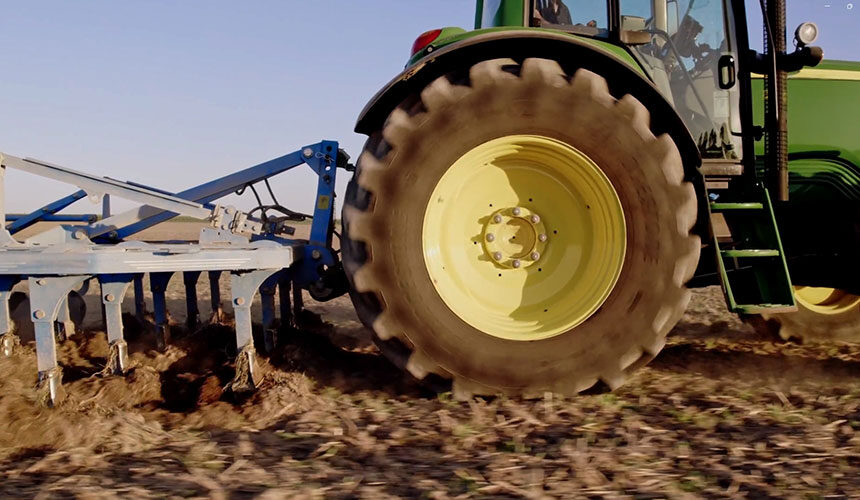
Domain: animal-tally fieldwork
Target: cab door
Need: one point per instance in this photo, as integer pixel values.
(692, 57)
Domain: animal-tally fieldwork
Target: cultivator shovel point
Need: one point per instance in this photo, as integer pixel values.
(253, 249)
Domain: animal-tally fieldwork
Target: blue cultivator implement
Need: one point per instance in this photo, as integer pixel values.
(255, 248)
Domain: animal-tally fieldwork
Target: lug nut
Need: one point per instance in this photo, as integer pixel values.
(497, 219)
(542, 237)
(535, 255)
(516, 263)
(535, 219)
(517, 211)
(497, 255)
(491, 237)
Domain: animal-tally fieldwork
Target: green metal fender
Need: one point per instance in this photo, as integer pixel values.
(572, 53)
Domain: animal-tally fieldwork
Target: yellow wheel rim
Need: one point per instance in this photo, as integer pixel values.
(524, 237)
(828, 301)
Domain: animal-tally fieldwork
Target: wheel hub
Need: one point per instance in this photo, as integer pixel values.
(828, 301)
(524, 237)
(514, 237)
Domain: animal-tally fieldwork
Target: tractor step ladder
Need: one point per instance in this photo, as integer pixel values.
(752, 265)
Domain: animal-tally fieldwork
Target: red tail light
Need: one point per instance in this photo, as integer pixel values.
(424, 40)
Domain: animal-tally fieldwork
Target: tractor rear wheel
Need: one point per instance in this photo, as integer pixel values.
(823, 315)
(518, 230)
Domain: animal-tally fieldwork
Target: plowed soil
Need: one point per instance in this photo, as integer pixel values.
(721, 412)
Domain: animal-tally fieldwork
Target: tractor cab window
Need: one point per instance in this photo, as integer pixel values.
(585, 17)
(682, 57)
(491, 13)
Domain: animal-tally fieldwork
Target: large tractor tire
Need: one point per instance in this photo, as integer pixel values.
(823, 315)
(517, 230)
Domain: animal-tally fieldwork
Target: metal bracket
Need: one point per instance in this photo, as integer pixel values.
(158, 285)
(114, 288)
(244, 286)
(8, 340)
(46, 296)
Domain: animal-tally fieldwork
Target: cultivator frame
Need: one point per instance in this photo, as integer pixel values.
(255, 251)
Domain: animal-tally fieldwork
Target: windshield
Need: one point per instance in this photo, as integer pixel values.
(586, 17)
(687, 39)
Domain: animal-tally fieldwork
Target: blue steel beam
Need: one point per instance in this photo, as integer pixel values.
(324, 163)
(88, 218)
(28, 220)
(136, 220)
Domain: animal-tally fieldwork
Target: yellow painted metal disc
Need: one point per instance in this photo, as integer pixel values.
(828, 301)
(524, 237)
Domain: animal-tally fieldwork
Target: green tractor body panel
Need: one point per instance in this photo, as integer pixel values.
(818, 223)
(823, 131)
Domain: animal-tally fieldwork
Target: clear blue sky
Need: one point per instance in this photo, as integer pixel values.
(172, 93)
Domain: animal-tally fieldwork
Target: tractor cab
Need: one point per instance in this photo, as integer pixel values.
(687, 48)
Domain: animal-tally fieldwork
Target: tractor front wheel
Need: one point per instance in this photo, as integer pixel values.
(823, 315)
(516, 230)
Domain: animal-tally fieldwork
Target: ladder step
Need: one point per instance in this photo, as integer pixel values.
(750, 253)
(764, 308)
(719, 207)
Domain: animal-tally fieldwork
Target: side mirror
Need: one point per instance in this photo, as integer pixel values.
(631, 37)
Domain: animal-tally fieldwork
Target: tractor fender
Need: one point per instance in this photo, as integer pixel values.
(571, 53)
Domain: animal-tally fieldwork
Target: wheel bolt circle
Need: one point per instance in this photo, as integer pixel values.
(542, 237)
(517, 211)
(516, 263)
(535, 255)
(491, 237)
(497, 255)
(497, 218)
(535, 219)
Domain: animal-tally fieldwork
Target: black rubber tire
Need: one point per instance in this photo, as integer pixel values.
(398, 170)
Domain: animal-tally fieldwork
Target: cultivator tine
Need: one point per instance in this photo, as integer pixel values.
(244, 286)
(215, 297)
(267, 300)
(8, 340)
(298, 303)
(158, 284)
(190, 278)
(284, 284)
(64, 326)
(113, 290)
(139, 299)
(46, 297)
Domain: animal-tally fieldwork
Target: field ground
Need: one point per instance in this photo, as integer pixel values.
(720, 413)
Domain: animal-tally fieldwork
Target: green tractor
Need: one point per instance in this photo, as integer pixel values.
(537, 196)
